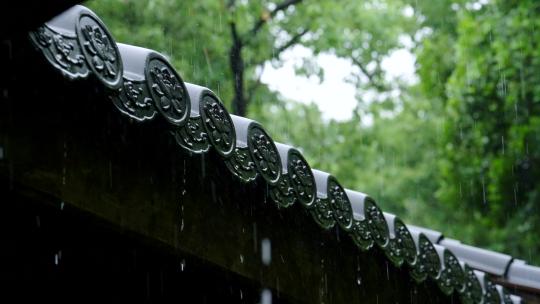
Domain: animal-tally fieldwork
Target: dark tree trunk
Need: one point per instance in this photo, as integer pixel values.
(237, 68)
(241, 99)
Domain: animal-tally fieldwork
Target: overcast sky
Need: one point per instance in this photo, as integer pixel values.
(334, 96)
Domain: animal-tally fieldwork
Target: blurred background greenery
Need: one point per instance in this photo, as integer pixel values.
(457, 149)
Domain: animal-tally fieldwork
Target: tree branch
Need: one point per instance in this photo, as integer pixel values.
(237, 41)
(276, 52)
(370, 76)
(294, 40)
(262, 21)
(236, 60)
(255, 85)
(236, 63)
(230, 4)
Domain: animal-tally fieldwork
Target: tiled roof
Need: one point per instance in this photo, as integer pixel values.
(143, 85)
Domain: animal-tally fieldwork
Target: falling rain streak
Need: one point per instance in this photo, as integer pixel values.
(64, 157)
(182, 265)
(266, 251)
(57, 257)
(484, 191)
(266, 296)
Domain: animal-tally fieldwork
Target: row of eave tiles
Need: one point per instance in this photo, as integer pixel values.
(78, 44)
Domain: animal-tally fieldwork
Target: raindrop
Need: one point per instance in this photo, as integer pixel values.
(162, 287)
(147, 285)
(182, 265)
(266, 251)
(266, 296)
(110, 175)
(213, 191)
(242, 259)
(483, 191)
(358, 280)
(467, 75)
(326, 282)
(203, 166)
(504, 84)
(181, 214)
(184, 179)
(255, 237)
(57, 257)
(322, 289)
(515, 194)
(62, 205)
(64, 169)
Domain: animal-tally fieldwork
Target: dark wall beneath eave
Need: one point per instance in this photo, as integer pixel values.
(18, 17)
(65, 140)
(60, 254)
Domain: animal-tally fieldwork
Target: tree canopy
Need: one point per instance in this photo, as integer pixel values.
(458, 150)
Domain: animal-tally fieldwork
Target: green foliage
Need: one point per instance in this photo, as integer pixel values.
(393, 159)
(459, 151)
(196, 35)
(491, 157)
